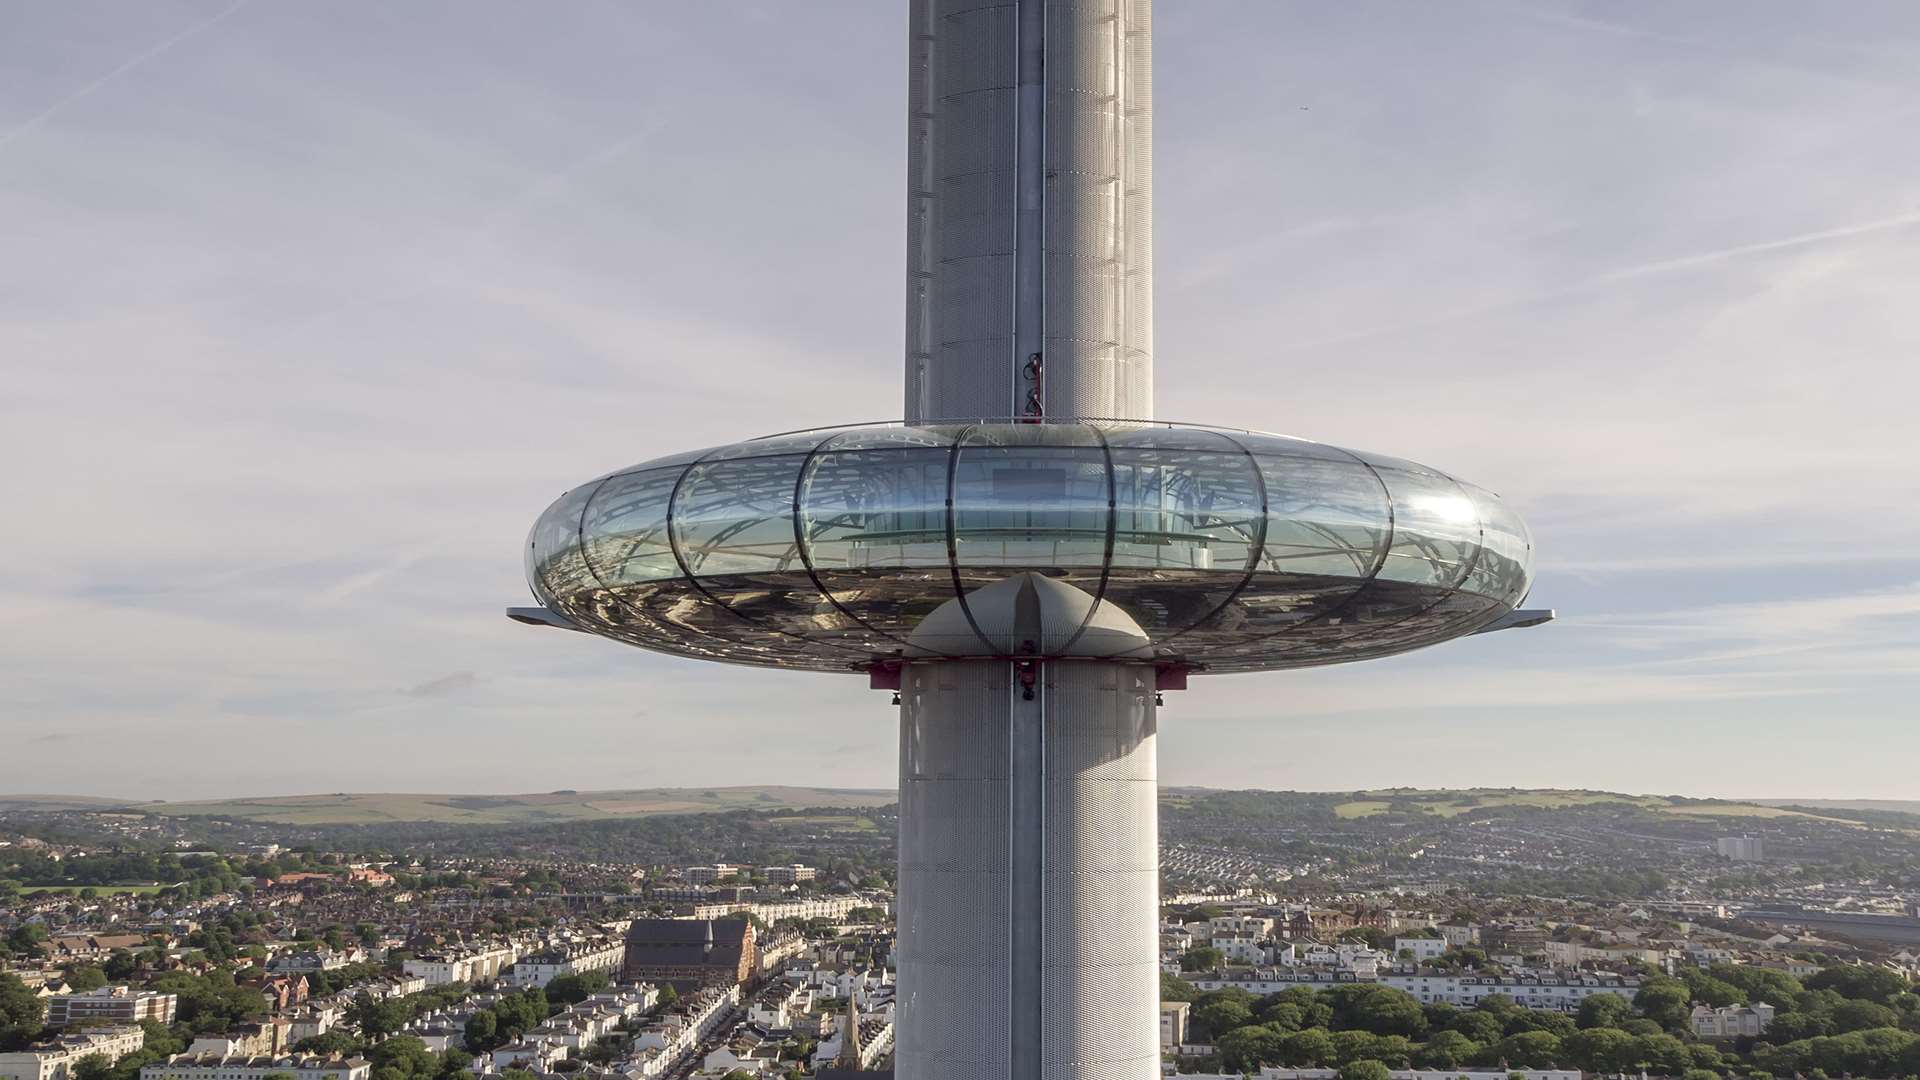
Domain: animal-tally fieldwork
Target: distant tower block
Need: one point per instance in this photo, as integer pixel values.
(1028, 560)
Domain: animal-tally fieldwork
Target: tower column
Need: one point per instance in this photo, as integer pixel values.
(1029, 885)
(1029, 209)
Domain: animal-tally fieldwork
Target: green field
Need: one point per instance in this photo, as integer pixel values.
(103, 890)
(372, 809)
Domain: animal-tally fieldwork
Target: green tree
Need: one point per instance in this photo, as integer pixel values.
(121, 965)
(160, 1039)
(1777, 988)
(1604, 1011)
(1365, 1069)
(1665, 1001)
(1215, 1018)
(1481, 1027)
(1860, 981)
(20, 1013)
(1309, 1049)
(1529, 1049)
(1283, 1016)
(405, 1055)
(1355, 1045)
(376, 1018)
(1557, 1024)
(1175, 988)
(1447, 1050)
(573, 989)
(1381, 1010)
(1863, 1015)
(86, 978)
(93, 1067)
(1661, 1054)
(1600, 1049)
(1204, 958)
(1709, 990)
(481, 1031)
(1246, 1048)
(25, 939)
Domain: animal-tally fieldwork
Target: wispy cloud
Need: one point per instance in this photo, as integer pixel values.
(40, 118)
(312, 331)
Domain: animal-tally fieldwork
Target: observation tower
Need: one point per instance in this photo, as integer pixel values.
(1028, 558)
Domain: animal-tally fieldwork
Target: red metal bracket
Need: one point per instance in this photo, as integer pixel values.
(884, 674)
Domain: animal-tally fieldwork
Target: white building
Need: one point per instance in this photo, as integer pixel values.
(1173, 1024)
(1741, 848)
(1277, 1073)
(311, 1019)
(825, 907)
(1731, 1021)
(1571, 954)
(541, 968)
(1563, 991)
(528, 1055)
(707, 875)
(55, 1061)
(190, 1067)
(476, 966)
(1420, 949)
(791, 874)
(110, 1005)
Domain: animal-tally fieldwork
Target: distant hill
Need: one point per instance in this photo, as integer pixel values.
(563, 806)
(1448, 803)
(58, 802)
(555, 806)
(1891, 806)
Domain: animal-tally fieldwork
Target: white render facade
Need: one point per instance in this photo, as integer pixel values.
(1563, 992)
(541, 968)
(212, 1067)
(56, 1062)
(478, 966)
(110, 1005)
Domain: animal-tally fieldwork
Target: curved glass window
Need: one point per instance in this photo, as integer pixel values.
(735, 516)
(1436, 529)
(1192, 507)
(825, 549)
(1328, 517)
(625, 528)
(865, 506)
(554, 568)
(1031, 497)
(1506, 550)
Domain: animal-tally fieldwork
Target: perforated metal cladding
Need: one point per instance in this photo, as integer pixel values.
(1098, 894)
(953, 904)
(1102, 871)
(1096, 229)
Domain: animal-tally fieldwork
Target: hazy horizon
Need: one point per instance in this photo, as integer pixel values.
(875, 788)
(320, 307)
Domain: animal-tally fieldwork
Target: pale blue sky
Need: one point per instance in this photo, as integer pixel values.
(307, 311)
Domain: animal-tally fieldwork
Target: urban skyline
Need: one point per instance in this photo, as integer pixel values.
(1684, 504)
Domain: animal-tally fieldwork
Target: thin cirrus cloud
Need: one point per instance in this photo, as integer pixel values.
(321, 308)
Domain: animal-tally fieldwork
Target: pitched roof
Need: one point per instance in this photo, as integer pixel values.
(686, 943)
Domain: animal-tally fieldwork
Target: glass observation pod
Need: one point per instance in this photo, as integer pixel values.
(1232, 551)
